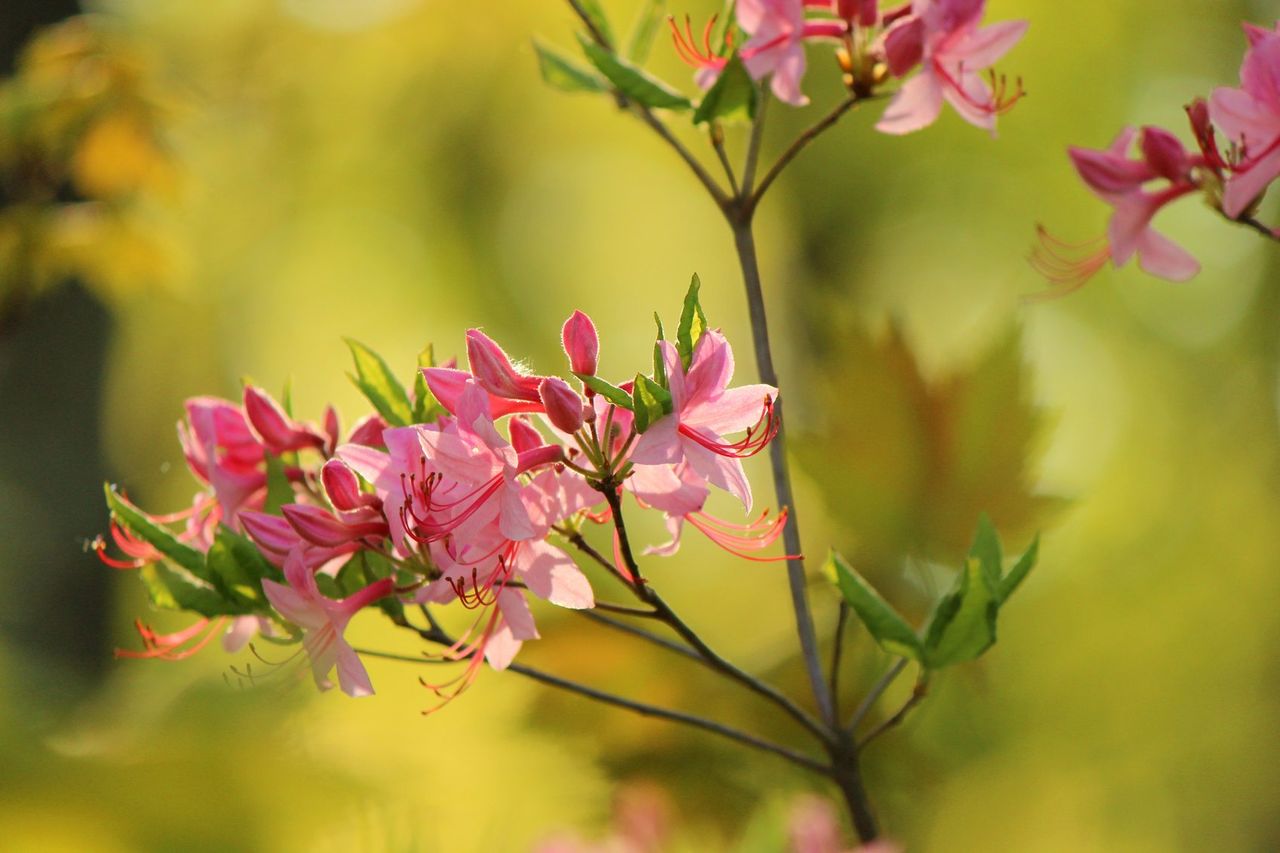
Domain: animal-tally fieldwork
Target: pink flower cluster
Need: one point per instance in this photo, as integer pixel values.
(464, 508)
(943, 39)
(1160, 170)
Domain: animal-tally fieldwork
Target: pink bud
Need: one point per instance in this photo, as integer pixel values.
(865, 12)
(342, 486)
(271, 532)
(1164, 153)
(904, 45)
(368, 431)
(332, 430)
(524, 436)
(1108, 171)
(547, 454)
(494, 371)
(563, 405)
(891, 16)
(278, 432)
(447, 385)
(581, 343)
(320, 528)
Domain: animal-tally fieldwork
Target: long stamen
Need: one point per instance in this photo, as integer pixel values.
(171, 646)
(756, 536)
(1063, 263)
(757, 437)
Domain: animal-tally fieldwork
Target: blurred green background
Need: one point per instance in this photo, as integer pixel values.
(266, 177)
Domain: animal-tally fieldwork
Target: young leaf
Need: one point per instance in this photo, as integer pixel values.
(986, 550)
(154, 535)
(692, 323)
(963, 625)
(631, 81)
(279, 492)
(376, 381)
(612, 393)
(598, 19)
(732, 97)
(172, 589)
(426, 407)
(564, 74)
(650, 400)
(889, 629)
(659, 364)
(646, 27)
(236, 568)
(1019, 571)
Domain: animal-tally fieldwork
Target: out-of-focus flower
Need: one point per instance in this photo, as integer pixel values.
(1249, 116)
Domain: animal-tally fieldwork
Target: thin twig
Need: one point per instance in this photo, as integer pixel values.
(676, 716)
(596, 35)
(917, 694)
(716, 133)
(753, 145)
(837, 647)
(875, 693)
(1260, 227)
(802, 141)
(624, 610)
(662, 642)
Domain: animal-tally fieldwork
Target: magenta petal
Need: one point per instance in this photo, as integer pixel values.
(1241, 117)
(1245, 186)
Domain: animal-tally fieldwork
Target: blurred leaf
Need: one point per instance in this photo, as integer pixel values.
(172, 589)
(1020, 570)
(562, 73)
(731, 98)
(963, 625)
(906, 462)
(633, 82)
(659, 364)
(692, 323)
(153, 534)
(426, 407)
(986, 550)
(376, 381)
(889, 629)
(236, 568)
(612, 393)
(597, 16)
(645, 29)
(279, 491)
(651, 402)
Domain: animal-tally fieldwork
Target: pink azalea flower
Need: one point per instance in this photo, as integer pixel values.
(775, 49)
(1122, 182)
(706, 410)
(323, 622)
(944, 38)
(223, 451)
(1250, 119)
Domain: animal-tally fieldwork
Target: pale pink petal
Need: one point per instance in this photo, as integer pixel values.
(322, 651)
(301, 611)
(502, 646)
(516, 613)
(1243, 187)
(675, 526)
(513, 515)
(916, 105)
(675, 373)
(353, 678)
(787, 74)
(673, 490)
(1260, 73)
(1161, 256)
(660, 444)
(240, 632)
(551, 575)
(1241, 117)
(979, 49)
(971, 98)
(733, 411)
(721, 471)
(710, 370)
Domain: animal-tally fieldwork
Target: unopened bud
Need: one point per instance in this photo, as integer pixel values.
(581, 343)
(562, 404)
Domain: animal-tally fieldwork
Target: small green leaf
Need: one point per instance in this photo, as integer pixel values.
(631, 81)
(645, 29)
(692, 323)
(612, 393)
(963, 625)
(173, 589)
(651, 402)
(279, 491)
(426, 407)
(732, 97)
(598, 19)
(236, 568)
(890, 630)
(986, 550)
(153, 534)
(564, 74)
(376, 381)
(659, 363)
(1020, 570)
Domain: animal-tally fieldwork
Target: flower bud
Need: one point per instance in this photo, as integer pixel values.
(279, 433)
(368, 431)
(494, 371)
(562, 403)
(581, 343)
(341, 486)
(524, 436)
(1164, 153)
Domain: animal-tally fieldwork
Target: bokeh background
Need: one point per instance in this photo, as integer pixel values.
(196, 193)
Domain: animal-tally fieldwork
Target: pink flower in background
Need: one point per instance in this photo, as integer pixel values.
(1122, 182)
(944, 38)
(323, 622)
(1249, 117)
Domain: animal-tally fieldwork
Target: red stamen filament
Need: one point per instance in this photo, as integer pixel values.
(737, 539)
(171, 646)
(687, 45)
(1002, 100)
(756, 439)
(1064, 265)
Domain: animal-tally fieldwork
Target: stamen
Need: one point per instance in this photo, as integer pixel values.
(171, 646)
(686, 44)
(1063, 264)
(756, 536)
(757, 437)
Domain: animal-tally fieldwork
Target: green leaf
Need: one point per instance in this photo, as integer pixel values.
(731, 98)
(650, 400)
(612, 393)
(1020, 570)
(692, 323)
(986, 550)
(376, 381)
(890, 630)
(153, 534)
(236, 568)
(173, 589)
(279, 491)
(426, 407)
(659, 363)
(645, 29)
(598, 19)
(564, 74)
(963, 625)
(631, 81)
